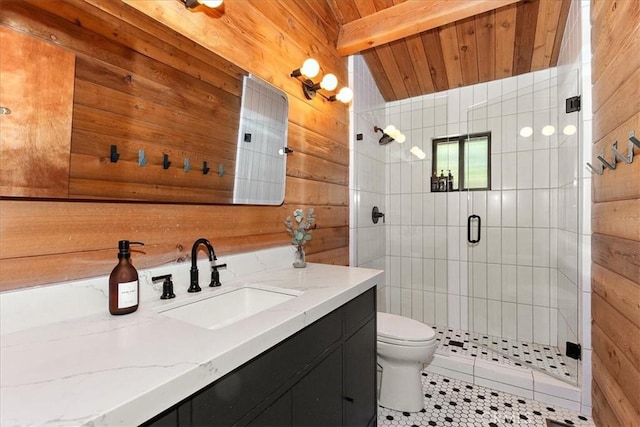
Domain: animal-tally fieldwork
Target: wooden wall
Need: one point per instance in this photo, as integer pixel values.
(47, 241)
(616, 214)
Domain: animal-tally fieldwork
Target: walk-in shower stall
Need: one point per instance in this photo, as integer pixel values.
(480, 234)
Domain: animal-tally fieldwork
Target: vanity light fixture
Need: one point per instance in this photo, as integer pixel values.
(190, 4)
(310, 69)
(390, 134)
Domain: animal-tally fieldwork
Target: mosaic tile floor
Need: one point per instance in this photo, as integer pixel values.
(527, 354)
(450, 402)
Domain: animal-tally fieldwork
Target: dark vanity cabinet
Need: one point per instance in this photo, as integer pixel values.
(324, 375)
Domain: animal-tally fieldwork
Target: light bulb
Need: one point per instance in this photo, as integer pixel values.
(345, 95)
(400, 138)
(329, 82)
(211, 3)
(548, 130)
(389, 129)
(569, 130)
(416, 151)
(310, 68)
(526, 132)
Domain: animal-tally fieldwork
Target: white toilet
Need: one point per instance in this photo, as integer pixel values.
(404, 346)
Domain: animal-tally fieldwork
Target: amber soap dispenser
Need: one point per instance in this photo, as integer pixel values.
(124, 286)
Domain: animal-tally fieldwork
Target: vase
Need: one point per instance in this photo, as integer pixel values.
(299, 260)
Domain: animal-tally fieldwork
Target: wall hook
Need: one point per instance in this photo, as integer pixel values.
(165, 161)
(142, 158)
(633, 139)
(114, 154)
(187, 164)
(205, 168)
(607, 164)
(591, 169)
(619, 156)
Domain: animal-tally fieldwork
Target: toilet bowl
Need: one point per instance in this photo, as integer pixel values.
(404, 346)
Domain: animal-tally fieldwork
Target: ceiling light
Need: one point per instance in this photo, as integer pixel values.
(526, 132)
(548, 130)
(569, 130)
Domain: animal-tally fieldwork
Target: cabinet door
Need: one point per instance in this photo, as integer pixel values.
(360, 376)
(317, 398)
(37, 100)
(276, 415)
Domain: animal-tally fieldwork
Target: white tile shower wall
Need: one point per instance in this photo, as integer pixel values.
(428, 230)
(368, 171)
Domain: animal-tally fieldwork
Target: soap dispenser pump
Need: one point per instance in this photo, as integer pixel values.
(123, 282)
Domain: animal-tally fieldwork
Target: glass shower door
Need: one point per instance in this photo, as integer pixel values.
(521, 236)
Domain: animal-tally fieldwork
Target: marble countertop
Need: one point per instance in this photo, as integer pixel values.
(100, 369)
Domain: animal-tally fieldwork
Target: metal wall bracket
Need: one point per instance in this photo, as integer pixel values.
(573, 104)
(574, 350)
(187, 164)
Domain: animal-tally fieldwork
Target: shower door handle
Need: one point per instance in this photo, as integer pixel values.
(469, 220)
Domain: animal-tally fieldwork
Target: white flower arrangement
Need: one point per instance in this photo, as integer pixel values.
(300, 226)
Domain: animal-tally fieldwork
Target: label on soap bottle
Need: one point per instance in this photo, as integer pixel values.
(127, 294)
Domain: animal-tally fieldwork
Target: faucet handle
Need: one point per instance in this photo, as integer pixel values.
(193, 283)
(167, 286)
(215, 275)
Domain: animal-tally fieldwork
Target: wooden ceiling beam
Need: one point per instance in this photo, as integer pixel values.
(406, 19)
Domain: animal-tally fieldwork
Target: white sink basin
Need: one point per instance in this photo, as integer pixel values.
(225, 308)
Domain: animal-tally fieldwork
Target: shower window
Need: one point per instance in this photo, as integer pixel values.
(461, 163)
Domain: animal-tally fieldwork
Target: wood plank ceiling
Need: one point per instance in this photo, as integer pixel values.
(516, 37)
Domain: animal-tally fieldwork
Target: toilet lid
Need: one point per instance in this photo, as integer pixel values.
(394, 327)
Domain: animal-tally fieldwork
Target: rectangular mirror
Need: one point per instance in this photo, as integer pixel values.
(261, 160)
(149, 117)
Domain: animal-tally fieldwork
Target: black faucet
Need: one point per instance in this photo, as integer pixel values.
(215, 275)
(194, 286)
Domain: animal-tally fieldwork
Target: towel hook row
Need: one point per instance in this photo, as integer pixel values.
(114, 156)
(617, 156)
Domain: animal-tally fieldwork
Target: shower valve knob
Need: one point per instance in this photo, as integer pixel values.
(376, 215)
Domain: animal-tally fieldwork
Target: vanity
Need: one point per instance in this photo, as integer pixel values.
(309, 360)
(323, 375)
